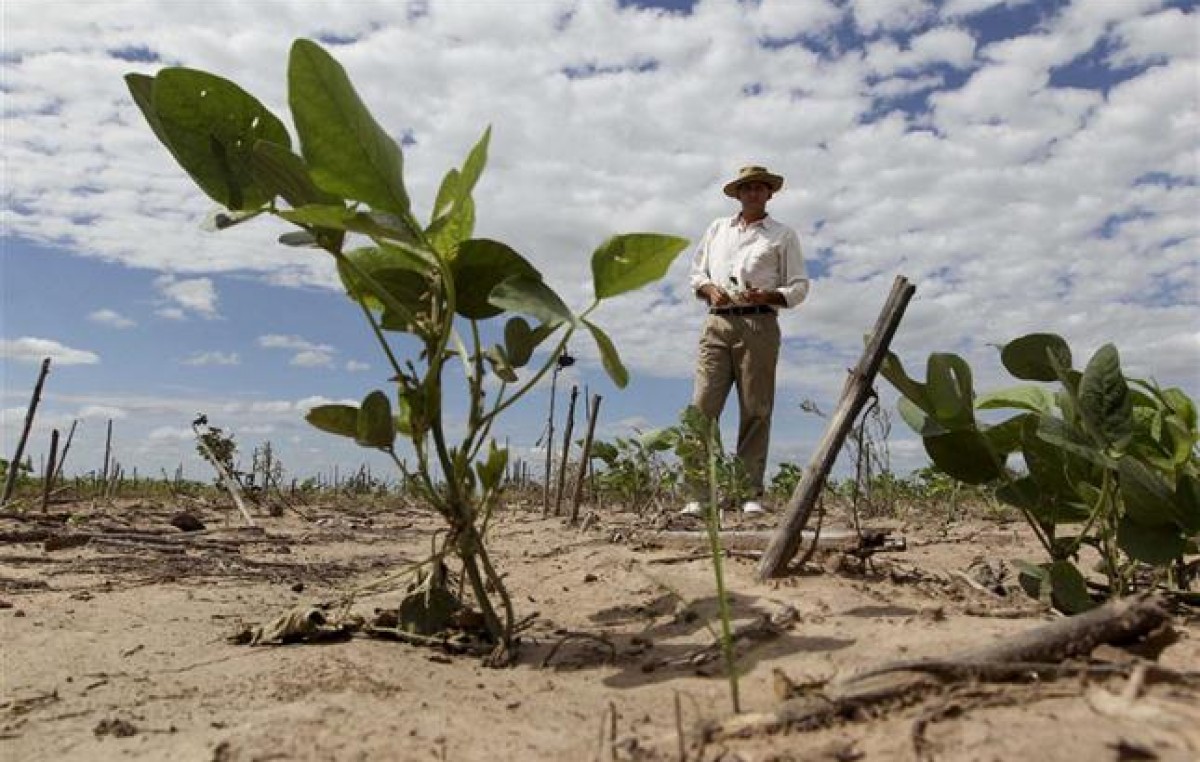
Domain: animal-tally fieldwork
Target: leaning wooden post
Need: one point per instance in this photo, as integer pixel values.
(858, 388)
(585, 457)
(66, 449)
(566, 452)
(51, 469)
(14, 465)
(107, 456)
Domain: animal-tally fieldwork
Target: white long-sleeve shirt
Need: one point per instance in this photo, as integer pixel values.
(765, 255)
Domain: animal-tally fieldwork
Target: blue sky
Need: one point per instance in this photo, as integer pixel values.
(1031, 166)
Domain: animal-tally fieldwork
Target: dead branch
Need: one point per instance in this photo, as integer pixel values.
(1039, 653)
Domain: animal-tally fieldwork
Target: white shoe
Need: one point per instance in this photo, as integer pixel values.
(693, 508)
(752, 508)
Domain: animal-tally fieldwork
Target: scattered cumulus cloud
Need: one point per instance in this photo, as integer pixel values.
(187, 296)
(102, 412)
(212, 358)
(28, 349)
(354, 366)
(111, 318)
(308, 354)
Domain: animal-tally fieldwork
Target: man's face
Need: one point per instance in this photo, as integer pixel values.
(754, 196)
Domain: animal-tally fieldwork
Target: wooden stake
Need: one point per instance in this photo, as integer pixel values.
(857, 390)
(14, 465)
(585, 457)
(107, 455)
(566, 452)
(48, 485)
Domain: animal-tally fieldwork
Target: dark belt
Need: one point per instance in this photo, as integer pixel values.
(757, 309)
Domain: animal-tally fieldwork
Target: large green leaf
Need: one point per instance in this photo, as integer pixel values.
(1187, 496)
(1036, 399)
(893, 370)
(1155, 545)
(407, 288)
(608, 356)
(965, 455)
(383, 227)
(1057, 433)
(349, 153)
(335, 419)
(481, 265)
(627, 262)
(282, 172)
(1028, 357)
(1104, 400)
(1005, 437)
(1148, 497)
(531, 296)
(210, 125)
(375, 425)
(917, 419)
(951, 392)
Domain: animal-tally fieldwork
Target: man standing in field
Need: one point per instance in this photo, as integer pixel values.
(746, 268)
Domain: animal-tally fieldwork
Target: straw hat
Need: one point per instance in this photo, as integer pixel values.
(753, 175)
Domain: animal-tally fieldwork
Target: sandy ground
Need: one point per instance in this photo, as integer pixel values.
(118, 649)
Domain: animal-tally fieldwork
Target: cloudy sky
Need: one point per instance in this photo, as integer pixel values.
(1029, 165)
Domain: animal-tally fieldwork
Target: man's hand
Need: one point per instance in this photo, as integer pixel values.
(759, 296)
(715, 295)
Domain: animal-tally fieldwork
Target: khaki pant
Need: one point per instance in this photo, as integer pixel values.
(742, 351)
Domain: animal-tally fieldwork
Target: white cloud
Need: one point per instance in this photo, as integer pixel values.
(29, 349)
(354, 366)
(188, 296)
(212, 358)
(101, 412)
(312, 358)
(111, 318)
(873, 16)
(308, 354)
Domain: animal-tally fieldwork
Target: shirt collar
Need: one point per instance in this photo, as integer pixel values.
(736, 220)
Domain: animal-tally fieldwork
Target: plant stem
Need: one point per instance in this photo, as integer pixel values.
(714, 545)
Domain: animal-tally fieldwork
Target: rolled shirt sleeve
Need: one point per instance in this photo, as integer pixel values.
(793, 275)
(699, 275)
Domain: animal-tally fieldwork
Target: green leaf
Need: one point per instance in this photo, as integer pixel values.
(375, 425)
(949, 386)
(408, 291)
(1028, 357)
(481, 265)
(491, 471)
(1149, 499)
(917, 420)
(965, 455)
(453, 219)
(386, 229)
(1182, 406)
(1036, 399)
(520, 340)
(1068, 589)
(1154, 545)
(285, 174)
(1187, 496)
(1104, 400)
(1057, 433)
(627, 262)
(210, 125)
(1005, 437)
(335, 419)
(531, 296)
(349, 153)
(608, 356)
(893, 370)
